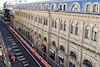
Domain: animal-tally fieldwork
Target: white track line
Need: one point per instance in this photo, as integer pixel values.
(26, 64)
(13, 43)
(18, 53)
(14, 46)
(21, 59)
(16, 49)
(25, 48)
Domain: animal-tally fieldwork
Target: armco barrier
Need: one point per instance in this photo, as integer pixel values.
(33, 51)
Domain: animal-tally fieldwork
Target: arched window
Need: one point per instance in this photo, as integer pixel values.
(60, 7)
(29, 7)
(44, 7)
(95, 8)
(87, 63)
(88, 8)
(87, 31)
(56, 23)
(52, 22)
(44, 20)
(45, 39)
(94, 33)
(64, 25)
(64, 7)
(53, 43)
(62, 48)
(35, 33)
(72, 27)
(36, 7)
(53, 7)
(47, 7)
(75, 7)
(32, 6)
(72, 54)
(41, 20)
(77, 29)
(39, 35)
(61, 25)
(40, 6)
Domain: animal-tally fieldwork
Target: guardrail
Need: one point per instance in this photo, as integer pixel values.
(31, 49)
(5, 54)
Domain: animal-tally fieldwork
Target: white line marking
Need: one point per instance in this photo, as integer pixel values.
(10, 39)
(26, 64)
(13, 43)
(18, 53)
(16, 49)
(14, 46)
(25, 48)
(20, 57)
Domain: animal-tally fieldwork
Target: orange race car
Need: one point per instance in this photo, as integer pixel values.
(13, 58)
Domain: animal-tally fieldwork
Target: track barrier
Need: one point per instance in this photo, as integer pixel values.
(30, 48)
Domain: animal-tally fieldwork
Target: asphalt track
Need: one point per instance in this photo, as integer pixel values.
(24, 55)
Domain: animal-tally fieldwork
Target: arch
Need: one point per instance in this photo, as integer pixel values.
(36, 7)
(75, 7)
(55, 23)
(88, 7)
(53, 43)
(35, 33)
(77, 29)
(52, 22)
(61, 25)
(87, 63)
(53, 6)
(60, 6)
(72, 54)
(62, 48)
(65, 25)
(72, 27)
(32, 7)
(45, 39)
(87, 31)
(29, 6)
(47, 7)
(95, 7)
(64, 7)
(39, 35)
(94, 33)
(40, 6)
(44, 6)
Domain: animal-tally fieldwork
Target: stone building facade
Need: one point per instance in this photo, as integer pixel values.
(68, 31)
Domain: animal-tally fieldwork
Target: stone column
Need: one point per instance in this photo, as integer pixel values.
(56, 55)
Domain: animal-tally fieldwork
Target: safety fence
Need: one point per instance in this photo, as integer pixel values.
(4, 53)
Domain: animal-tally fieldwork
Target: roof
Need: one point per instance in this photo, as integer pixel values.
(69, 3)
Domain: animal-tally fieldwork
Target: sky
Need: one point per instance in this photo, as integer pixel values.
(3, 1)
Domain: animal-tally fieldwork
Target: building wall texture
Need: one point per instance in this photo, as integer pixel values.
(63, 34)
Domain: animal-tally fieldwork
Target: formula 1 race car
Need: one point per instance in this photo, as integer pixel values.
(13, 58)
